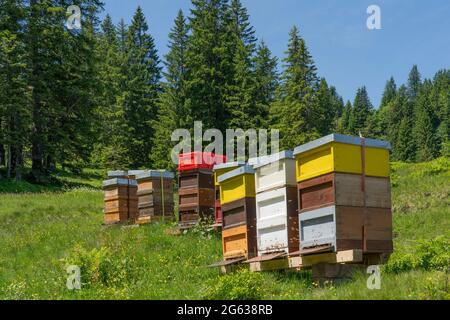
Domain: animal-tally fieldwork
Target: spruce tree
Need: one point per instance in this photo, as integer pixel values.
(414, 83)
(111, 150)
(361, 112)
(239, 41)
(440, 102)
(425, 125)
(142, 88)
(345, 119)
(266, 77)
(294, 111)
(14, 93)
(389, 93)
(172, 113)
(208, 71)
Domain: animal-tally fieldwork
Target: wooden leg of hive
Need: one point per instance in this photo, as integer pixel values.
(326, 273)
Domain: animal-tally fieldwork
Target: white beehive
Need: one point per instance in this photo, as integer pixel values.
(277, 221)
(275, 171)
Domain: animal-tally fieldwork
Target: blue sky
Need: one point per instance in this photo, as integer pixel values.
(346, 52)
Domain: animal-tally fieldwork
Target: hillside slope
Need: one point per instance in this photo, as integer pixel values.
(42, 233)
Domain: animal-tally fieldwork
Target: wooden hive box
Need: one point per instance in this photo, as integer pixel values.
(196, 196)
(237, 184)
(342, 189)
(120, 200)
(347, 228)
(275, 171)
(277, 221)
(237, 194)
(200, 179)
(219, 170)
(276, 204)
(155, 193)
(345, 154)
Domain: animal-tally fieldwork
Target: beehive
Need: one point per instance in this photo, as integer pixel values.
(345, 154)
(120, 200)
(155, 193)
(344, 194)
(275, 171)
(219, 170)
(237, 194)
(344, 189)
(347, 228)
(196, 196)
(237, 184)
(277, 204)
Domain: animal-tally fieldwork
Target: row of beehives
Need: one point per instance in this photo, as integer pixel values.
(330, 195)
(138, 196)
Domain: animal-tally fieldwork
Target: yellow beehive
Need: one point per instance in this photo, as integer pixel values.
(237, 184)
(345, 154)
(221, 169)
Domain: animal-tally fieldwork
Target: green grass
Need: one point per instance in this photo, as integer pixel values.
(45, 228)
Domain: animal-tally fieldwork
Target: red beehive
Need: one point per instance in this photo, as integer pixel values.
(199, 160)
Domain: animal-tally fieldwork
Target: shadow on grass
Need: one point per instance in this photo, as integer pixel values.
(61, 181)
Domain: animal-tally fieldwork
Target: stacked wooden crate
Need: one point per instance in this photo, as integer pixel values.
(219, 170)
(277, 205)
(196, 187)
(237, 197)
(344, 195)
(120, 199)
(155, 196)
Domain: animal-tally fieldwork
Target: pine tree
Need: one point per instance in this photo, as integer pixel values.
(14, 94)
(238, 42)
(266, 77)
(172, 113)
(389, 93)
(425, 125)
(362, 110)
(208, 71)
(327, 110)
(111, 150)
(345, 119)
(142, 88)
(400, 126)
(414, 83)
(440, 102)
(294, 111)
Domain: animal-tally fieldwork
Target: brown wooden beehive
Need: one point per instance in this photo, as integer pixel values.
(155, 196)
(239, 238)
(342, 189)
(196, 196)
(120, 200)
(347, 228)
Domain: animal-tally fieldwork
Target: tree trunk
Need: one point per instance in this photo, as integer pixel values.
(2, 155)
(37, 140)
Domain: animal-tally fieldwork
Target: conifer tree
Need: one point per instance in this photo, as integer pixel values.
(425, 125)
(111, 150)
(294, 111)
(142, 88)
(172, 113)
(362, 110)
(414, 83)
(14, 94)
(208, 70)
(266, 77)
(345, 120)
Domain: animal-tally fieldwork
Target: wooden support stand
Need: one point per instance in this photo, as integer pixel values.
(327, 273)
